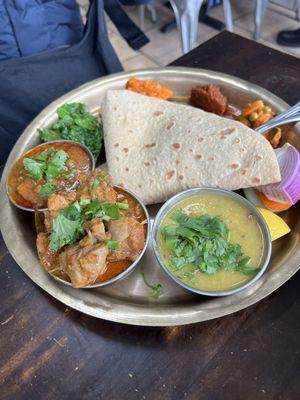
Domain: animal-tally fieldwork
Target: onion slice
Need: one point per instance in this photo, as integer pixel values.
(288, 190)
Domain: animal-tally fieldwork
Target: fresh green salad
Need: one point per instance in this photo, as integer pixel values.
(204, 242)
(77, 124)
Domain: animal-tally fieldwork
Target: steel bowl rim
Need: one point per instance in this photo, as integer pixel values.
(181, 196)
(83, 146)
(132, 266)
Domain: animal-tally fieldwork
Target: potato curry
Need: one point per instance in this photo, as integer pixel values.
(93, 234)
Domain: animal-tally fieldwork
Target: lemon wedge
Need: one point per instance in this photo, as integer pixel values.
(276, 225)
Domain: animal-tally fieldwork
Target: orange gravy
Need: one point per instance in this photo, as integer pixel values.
(78, 158)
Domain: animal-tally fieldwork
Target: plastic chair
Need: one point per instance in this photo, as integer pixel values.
(187, 13)
(142, 10)
(260, 10)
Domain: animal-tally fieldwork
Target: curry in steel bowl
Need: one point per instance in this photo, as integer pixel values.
(94, 235)
(48, 168)
(212, 241)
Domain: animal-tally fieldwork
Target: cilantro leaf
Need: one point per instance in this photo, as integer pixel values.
(156, 290)
(47, 189)
(96, 183)
(84, 202)
(33, 168)
(102, 209)
(122, 206)
(56, 164)
(64, 231)
(67, 228)
(73, 212)
(244, 267)
(77, 124)
(48, 165)
(45, 154)
(112, 244)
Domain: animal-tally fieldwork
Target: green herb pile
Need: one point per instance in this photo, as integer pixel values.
(77, 124)
(48, 165)
(67, 227)
(204, 242)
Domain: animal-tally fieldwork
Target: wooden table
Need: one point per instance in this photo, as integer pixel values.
(48, 351)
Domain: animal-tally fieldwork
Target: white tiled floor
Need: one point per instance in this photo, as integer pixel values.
(165, 47)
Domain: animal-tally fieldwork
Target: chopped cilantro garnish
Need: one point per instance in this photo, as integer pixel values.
(45, 154)
(156, 290)
(67, 227)
(96, 183)
(73, 211)
(77, 124)
(65, 231)
(47, 189)
(102, 209)
(33, 168)
(203, 241)
(48, 165)
(112, 244)
(56, 164)
(84, 202)
(122, 206)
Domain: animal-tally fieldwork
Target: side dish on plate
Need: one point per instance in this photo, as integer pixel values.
(211, 99)
(90, 236)
(157, 148)
(49, 168)
(212, 241)
(77, 124)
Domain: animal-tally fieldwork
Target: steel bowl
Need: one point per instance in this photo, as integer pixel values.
(130, 269)
(91, 157)
(205, 190)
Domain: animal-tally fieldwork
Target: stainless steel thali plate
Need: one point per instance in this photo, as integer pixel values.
(128, 301)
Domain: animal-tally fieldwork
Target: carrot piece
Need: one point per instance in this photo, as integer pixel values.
(256, 106)
(148, 88)
(273, 205)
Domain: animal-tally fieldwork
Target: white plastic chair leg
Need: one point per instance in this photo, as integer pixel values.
(187, 14)
(152, 10)
(142, 10)
(142, 16)
(227, 15)
(298, 10)
(261, 6)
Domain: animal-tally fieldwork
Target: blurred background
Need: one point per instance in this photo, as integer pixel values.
(165, 45)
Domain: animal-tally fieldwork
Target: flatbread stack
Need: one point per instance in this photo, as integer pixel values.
(157, 148)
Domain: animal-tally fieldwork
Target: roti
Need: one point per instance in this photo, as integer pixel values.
(157, 148)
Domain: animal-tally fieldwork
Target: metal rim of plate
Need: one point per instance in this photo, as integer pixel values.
(127, 301)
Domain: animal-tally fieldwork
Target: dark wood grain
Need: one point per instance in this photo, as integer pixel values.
(48, 351)
(234, 55)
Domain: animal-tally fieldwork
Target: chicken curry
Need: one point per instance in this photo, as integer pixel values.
(46, 169)
(93, 234)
